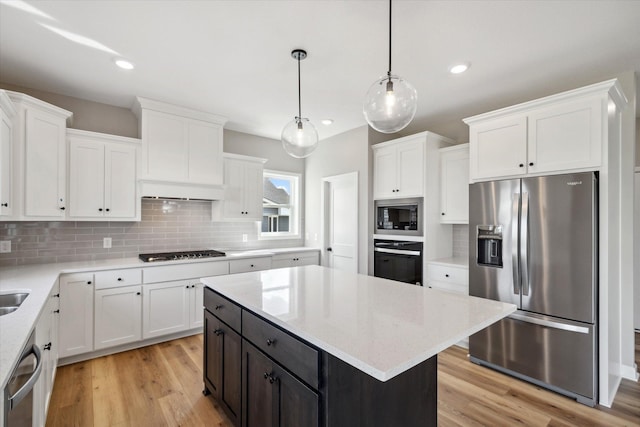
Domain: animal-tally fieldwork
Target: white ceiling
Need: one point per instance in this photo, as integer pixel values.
(232, 58)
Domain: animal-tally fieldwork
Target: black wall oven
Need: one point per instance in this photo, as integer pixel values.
(399, 216)
(398, 260)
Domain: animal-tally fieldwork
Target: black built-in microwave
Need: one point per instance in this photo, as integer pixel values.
(399, 216)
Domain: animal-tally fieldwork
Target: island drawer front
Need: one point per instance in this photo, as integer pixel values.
(296, 356)
(117, 278)
(440, 273)
(224, 309)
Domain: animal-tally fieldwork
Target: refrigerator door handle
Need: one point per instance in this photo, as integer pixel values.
(515, 205)
(549, 323)
(524, 244)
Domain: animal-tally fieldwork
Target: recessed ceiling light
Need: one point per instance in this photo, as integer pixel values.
(124, 64)
(326, 122)
(459, 68)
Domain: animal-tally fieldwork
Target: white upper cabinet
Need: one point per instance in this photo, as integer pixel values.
(243, 183)
(7, 113)
(102, 176)
(454, 184)
(181, 151)
(398, 168)
(40, 159)
(557, 134)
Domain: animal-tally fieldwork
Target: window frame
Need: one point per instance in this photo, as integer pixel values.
(295, 207)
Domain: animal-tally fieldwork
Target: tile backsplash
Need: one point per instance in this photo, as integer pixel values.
(167, 225)
(461, 241)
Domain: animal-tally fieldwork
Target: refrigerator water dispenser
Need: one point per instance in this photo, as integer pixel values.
(489, 239)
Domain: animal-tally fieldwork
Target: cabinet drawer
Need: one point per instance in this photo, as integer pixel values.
(446, 274)
(118, 278)
(295, 259)
(298, 357)
(196, 270)
(449, 287)
(222, 308)
(249, 264)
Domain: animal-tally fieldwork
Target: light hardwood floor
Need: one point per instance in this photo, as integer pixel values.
(161, 385)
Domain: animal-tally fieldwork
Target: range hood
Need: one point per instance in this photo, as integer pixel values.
(155, 189)
(181, 151)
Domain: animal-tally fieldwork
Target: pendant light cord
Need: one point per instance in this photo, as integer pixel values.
(389, 72)
(299, 95)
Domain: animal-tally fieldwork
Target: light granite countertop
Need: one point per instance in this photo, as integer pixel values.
(379, 326)
(38, 280)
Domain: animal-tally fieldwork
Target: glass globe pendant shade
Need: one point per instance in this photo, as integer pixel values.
(299, 138)
(390, 104)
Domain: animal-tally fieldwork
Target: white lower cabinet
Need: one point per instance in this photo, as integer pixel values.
(449, 276)
(76, 314)
(249, 264)
(47, 341)
(295, 259)
(118, 316)
(196, 305)
(165, 308)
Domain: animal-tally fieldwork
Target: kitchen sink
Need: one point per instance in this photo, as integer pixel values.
(10, 302)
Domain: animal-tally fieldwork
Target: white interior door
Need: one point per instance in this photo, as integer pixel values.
(340, 221)
(636, 254)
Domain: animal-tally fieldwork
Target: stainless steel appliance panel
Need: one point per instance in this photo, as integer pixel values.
(558, 259)
(18, 393)
(399, 216)
(564, 358)
(494, 204)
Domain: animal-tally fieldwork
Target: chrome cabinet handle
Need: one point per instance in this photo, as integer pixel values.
(217, 307)
(270, 342)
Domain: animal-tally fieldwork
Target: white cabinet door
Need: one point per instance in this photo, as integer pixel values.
(102, 176)
(243, 183)
(45, 165)
(498, 148)
(120, 181)
(86, 179)
(196, 318)
(454, 185)
(410, 169)
(165, 308)
(253, 185)
(234, 182)
(6, 162)
(76, 314)
(565, 136)
(205, 151)
(47, 340)
(384, 173)
(118, 316)
(164, 150)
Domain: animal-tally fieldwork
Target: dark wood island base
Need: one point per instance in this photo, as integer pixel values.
(263, 375)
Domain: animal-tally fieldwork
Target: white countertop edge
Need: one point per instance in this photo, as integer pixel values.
(363, 366)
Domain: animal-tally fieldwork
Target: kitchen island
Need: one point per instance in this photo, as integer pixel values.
(318, 346)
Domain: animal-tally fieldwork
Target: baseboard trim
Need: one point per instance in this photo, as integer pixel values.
(126, 347)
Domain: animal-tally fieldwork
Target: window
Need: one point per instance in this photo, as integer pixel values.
(280, 205)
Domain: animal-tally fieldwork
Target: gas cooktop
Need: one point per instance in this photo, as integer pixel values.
(175, 256)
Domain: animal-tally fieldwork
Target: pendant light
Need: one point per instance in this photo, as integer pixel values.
(299, 136)
(391, 101)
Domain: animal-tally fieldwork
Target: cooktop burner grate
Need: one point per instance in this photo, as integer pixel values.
(175, 256)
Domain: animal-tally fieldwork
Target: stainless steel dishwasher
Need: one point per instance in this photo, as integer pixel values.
(18, 393)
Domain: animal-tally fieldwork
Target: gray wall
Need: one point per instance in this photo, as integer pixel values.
(87, 115)
(167, 225)
(344, 153)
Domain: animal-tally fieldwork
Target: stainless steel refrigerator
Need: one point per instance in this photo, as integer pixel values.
(534, 243)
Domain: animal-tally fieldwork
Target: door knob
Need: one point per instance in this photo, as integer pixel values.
(329, 249)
